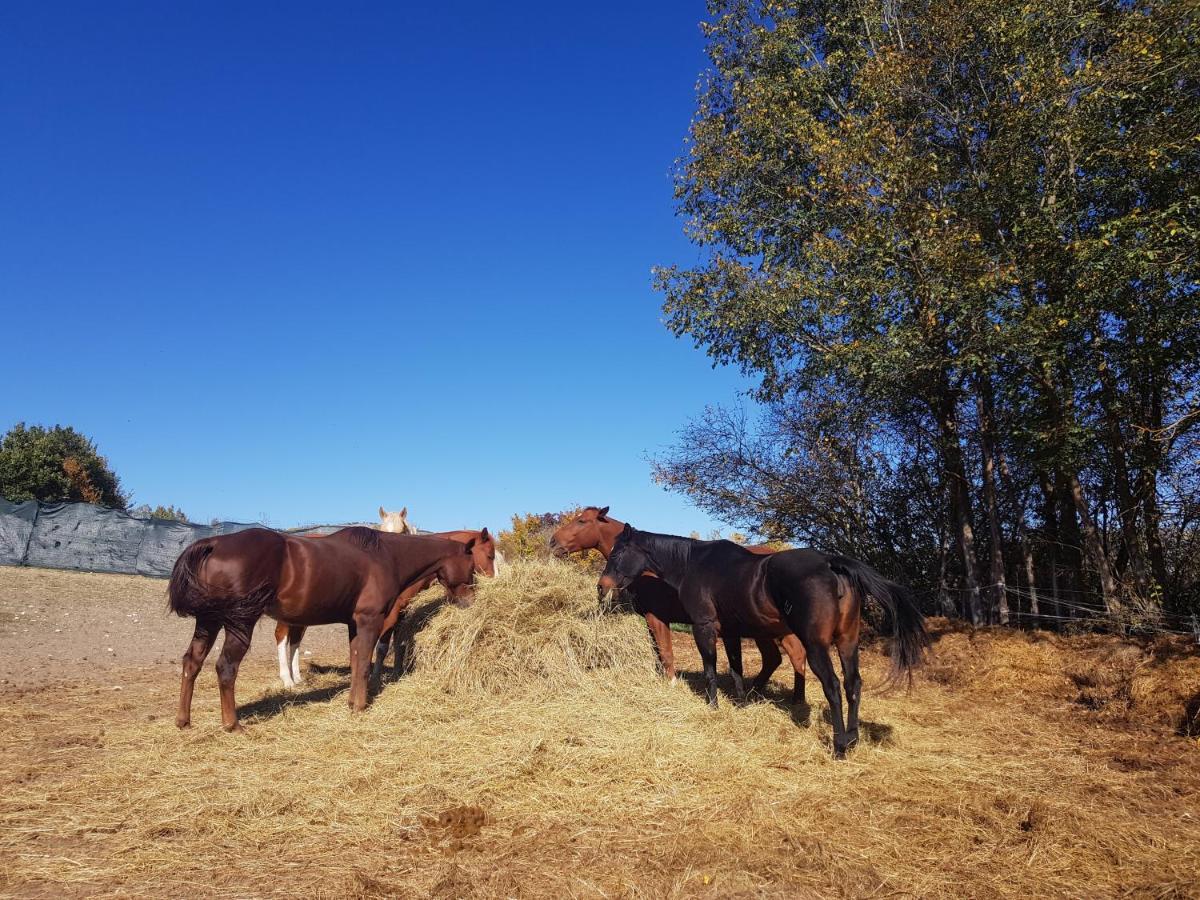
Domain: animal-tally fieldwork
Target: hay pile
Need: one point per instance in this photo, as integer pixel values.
(538, 629)
(1152, 682)
(515, 760)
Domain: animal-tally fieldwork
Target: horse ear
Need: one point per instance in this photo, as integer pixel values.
(627, 531)
(484, 537)
(602, 514)
(404, 512)
(382, 513)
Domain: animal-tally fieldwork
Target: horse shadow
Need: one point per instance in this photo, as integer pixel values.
(409, 627)
(270, 706)
(316, 668)
(877, 733)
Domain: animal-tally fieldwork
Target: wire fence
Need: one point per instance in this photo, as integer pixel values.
(1044, 599)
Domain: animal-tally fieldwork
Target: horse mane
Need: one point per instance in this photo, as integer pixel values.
(668, 551)
(363, 537)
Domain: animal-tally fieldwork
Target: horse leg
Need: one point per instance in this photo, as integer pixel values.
(352, 630)
(368, 627)
(282, 648)
(770, 662)
(733, 651)
(822, 666)
(660, 631)
(795, 651)
(295, 636)
(398, 651)
(381, 650)
(848, 651)
(193, 659)
(237, 642)
(705, 634)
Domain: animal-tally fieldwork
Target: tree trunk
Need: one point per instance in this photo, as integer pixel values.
(1052, 539)
(1118, 462)
(960, 497)
(1094, 547)
(985, 404)
(1031, 576)
(1153, 524)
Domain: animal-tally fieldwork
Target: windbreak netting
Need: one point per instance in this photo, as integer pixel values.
(95, 539)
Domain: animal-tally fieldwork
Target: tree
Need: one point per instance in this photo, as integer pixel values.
(159, 512)
(529, 538)
(51, 464)
(967, 230)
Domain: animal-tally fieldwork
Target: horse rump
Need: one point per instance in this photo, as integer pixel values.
(189, 597)
(909, 637)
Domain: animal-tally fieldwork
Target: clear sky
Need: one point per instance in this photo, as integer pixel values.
(289, 262)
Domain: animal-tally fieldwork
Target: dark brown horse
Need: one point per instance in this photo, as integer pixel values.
(288, 637)
(731, 593)
(353, 578)
(658, 602)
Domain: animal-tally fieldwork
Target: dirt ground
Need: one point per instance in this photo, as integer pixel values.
(57, 625)
(1020, 764)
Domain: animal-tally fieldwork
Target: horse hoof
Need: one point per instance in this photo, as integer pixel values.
(183, 723)
(235, 728)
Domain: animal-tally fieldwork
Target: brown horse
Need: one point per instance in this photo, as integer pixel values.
(658, 602)
(288, 637)
(353, 577)
(730, 593)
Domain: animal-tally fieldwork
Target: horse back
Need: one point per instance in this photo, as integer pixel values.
(244, 562)
(729, 581)
(323, 581)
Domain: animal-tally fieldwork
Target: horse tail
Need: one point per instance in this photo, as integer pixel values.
(188, 596)
(909, 637)
(185, 596)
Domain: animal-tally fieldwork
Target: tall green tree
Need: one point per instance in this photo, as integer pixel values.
(49, 464)
(976, 222)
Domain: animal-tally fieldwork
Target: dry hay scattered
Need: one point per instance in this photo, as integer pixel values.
(532, 751)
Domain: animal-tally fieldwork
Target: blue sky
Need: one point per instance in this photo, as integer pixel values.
(289, 262)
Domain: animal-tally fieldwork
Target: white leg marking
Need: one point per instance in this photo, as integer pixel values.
(285, 671)
(296, 676)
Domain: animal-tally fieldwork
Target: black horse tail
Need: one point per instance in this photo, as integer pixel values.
(909, 638)
(185, 596)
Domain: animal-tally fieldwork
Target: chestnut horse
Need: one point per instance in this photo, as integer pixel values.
(288, 637)
(353, 577)
(289, 650)
(658, 602)
(731, 593)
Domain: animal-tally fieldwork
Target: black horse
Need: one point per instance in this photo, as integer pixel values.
(731, 593)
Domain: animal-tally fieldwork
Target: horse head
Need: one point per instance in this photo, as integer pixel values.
(483, 553)
(395, 522)
(457, 574)
(626, 562)
(590, 530)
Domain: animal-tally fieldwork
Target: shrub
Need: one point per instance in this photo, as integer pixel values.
(53, 464)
